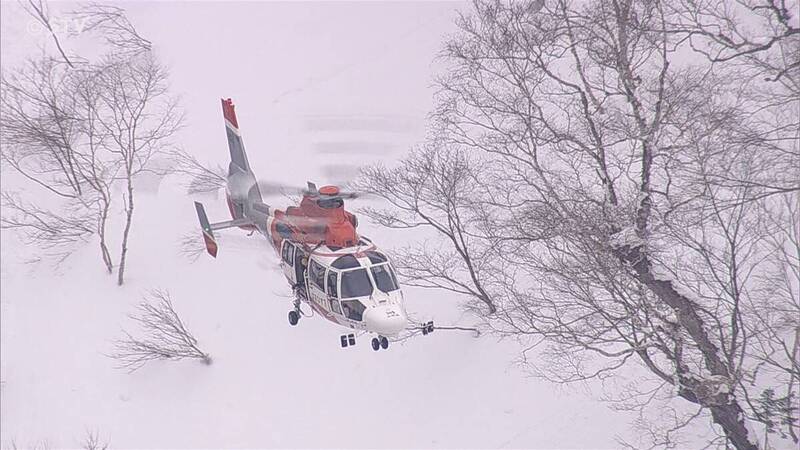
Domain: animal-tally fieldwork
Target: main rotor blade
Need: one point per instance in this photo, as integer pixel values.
(275, 189)
(270, 189)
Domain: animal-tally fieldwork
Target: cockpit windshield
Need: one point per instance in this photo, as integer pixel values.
(385, 279)
(355, 283)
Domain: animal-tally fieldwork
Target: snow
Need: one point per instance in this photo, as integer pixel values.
(752, 435)
(270, 385)
(627, 237)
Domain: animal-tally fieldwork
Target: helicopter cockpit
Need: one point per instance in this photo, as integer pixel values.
(347, 281)
(353, 284)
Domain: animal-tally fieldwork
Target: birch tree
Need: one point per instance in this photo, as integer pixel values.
(140, 120)
(49, 138)
(74, 128)
(608, 179)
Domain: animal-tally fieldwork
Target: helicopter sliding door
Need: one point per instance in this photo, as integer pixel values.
(292, 263)
(288, 260)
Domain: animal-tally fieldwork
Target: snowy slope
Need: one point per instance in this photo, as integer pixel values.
(286, 65)
(270, 385)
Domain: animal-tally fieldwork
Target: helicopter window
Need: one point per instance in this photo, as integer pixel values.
(335, 307)
(353, 309)
(384, 278)
(356, 283)
(332, 281)
(346, 262)
(288, 252)
(316, 274)
(330, 203)
(376, 257)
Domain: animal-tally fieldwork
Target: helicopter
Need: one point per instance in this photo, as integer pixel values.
(343, 276)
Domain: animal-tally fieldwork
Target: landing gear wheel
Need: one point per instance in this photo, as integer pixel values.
(294, 317)
(376, 344)
(384, 342)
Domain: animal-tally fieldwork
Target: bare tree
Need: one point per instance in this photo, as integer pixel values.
(56, 232)
(49, 138)
(594, 191)
(203, 179)
(75, 131)
(113, 25)
(191, 247)
(40, 11)
(92, 441)
(163, 336)
(140, 121)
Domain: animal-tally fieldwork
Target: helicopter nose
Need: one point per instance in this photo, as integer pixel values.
(385, 320)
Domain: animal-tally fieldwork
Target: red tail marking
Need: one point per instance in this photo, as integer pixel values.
(229, 113)
(211, 246)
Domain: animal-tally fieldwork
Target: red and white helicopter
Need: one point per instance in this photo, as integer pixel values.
(343, 276)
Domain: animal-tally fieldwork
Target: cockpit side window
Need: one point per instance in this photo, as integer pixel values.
(332, 291)
(333, 278)
(356, 283)
(385, 279)
(316, 274)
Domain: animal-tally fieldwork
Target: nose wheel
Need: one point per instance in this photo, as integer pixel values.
(380, 342)
(294, 315)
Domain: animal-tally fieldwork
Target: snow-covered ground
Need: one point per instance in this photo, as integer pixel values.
(316, 85)
(270, 385)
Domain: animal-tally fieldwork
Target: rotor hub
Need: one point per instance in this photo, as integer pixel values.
(329, 190)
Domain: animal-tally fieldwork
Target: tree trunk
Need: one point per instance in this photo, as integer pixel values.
(106, 255)
(793, 377)
(101, 231)
(725, 409)
(731, 418)
(129, 216)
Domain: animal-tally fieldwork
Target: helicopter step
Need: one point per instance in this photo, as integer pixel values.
(347, 340)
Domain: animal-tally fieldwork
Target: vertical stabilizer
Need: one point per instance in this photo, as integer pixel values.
(235, 143)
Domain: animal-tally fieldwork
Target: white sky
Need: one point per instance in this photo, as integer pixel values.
(281, 62)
